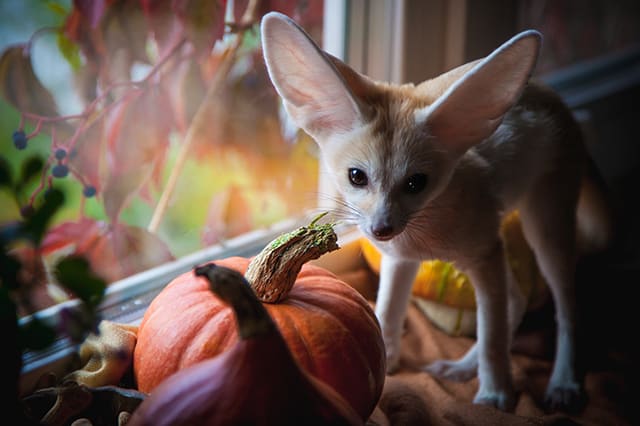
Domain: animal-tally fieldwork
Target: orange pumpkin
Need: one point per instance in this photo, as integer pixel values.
(256, 382)
(329, 327)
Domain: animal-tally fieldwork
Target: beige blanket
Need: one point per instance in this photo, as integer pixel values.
(412, 397)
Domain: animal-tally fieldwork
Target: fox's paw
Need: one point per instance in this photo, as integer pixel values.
(392, 340)
(393, 360)
(567, 397)
(459, 371)
(502, 400)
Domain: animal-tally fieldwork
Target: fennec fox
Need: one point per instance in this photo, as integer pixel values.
(428, 170)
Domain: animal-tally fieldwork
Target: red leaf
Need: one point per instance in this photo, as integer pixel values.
(86, 159)
(113, 251)
(242, 115)
(136, 250)
(78, 234)
(137, 136)
(186, 88)
(78, 29)
(162, 22)
(112, 36)
(20, 86)
(203, 21)
(306, 13)
(125, 28)
(91, 10)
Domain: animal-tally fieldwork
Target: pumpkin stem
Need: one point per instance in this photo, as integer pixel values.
(232, 288)
(274, 270)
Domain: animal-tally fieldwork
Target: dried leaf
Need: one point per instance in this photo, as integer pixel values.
(20, 86)
(102, 405)
(105, 356)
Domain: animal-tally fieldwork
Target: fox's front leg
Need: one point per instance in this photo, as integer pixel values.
(466, 368)
(493, 332)
(396, 280)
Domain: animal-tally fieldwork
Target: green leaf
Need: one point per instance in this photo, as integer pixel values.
(75, 274)
(36, 225)
(7, 306)
(37, 335)
(57, 8)
(78, 322)
(69, 50)
(30, 168)
(5, 173)
(9, 269)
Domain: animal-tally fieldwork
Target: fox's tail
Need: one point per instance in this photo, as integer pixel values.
(595, 219)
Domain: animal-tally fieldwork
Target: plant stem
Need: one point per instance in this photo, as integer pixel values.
(273, 272)
(200, 118)
(198, 121)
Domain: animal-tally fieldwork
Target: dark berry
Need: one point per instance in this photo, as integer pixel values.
(20, 139)
(27, 211)
(61, 153)
(89, 191)
(60, 171)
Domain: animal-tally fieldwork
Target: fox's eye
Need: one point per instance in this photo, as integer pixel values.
(358, 177)
(415, 183)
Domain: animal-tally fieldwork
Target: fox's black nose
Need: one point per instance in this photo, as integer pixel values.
(382, 231)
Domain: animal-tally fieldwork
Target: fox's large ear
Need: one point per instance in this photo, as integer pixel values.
(473, 106)
(316, 95)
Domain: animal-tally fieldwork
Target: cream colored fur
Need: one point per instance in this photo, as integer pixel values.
(427, 171)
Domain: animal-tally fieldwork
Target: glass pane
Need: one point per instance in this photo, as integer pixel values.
(578, 30)
(158, 122)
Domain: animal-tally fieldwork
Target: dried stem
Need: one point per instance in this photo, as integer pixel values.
(274, 271)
